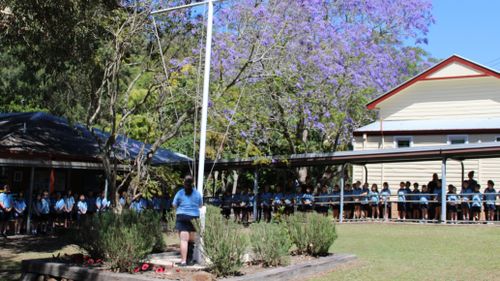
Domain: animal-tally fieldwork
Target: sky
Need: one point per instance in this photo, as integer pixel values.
(469, 28)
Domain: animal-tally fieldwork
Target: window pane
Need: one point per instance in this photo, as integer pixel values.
(498, 139)
(457, 141)
(403, 143)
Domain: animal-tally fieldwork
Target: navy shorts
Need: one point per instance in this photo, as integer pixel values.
(452, 208)
(185, 223)
(401, 206)
(490, 207)
(476, 209)
(424, 207)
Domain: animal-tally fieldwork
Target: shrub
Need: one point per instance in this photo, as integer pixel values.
(223, 243)
(311, 233)
(270, 243)
(123, 240)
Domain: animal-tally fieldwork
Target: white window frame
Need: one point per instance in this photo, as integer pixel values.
(396, 139)
(457, 137)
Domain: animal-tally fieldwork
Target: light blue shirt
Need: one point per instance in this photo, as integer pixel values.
(70, 202)
(385, 194)
(82, 207)
(452, 199)
(374, 197)
(59, 207)
(477, 199)
(20, 205)
(6, 200)
(402, 195)
(102, 204)
(424, 199)
(490, 196)
(187, 205)
(122, 201)
(45, 206)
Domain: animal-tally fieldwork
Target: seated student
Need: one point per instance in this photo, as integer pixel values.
(102, 203)
(19, 212)
(424, 203)
(409, 206)
(385, 198)
(69, 208)
(348, 202)
(244, 202)
(227, 201)
(402, 201)
(308, 200)
(236, 204)
(466, 196)
(277, 199)
(265, 200)
(438, 195)
(452, 200)
(356, 194)
(81, 210)
(59, 210)
(490, 195)
(335, 201)
(477, 201)
(415, 196)
(374, 201)
(365, 208)
(322, 201)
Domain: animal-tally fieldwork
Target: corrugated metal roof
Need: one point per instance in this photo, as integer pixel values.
(427, 125)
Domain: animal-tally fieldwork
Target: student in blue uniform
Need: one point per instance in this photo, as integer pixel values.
(365, 207)
(424, 203)
(227, 201)
(44, 212)
(374, 201)
(69, 208)
(245, 201)
(438, 194)
(277, 199)
(348, 202)
(415, 196)
(187, 203)
(19, 212)
(156, 203)
(102, 203)
(236, 204)
(402, 201)
(308, 200)
(250, 203)
(490, 195)
(466, 196)
(123, 199)
(385, 198)
(452, 201)
(356, 197)
(139, 204)
(59, 210)
(6, 207)
(298, 199)
(266, 198)
(91, 204)
(322, 201)
(81, 210)
(477, 201)
(409, 206)
(288, 202)
(335, 198)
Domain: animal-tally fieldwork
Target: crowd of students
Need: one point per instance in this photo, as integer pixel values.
(62, 210)
(365, 202)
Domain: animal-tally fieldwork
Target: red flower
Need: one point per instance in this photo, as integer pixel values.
(145, 266)
(98, 261)
(136, 269)
(86, 257)
(160, 270)
(90, 261)
(177, 270)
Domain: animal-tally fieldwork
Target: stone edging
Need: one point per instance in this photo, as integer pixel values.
(32, 268)
(297, 271)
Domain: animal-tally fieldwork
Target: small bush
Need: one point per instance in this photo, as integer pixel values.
(312, 233)
(270, 243)
(223, 243)
(122, 240)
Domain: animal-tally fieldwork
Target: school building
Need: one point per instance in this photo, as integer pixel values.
(457, 101)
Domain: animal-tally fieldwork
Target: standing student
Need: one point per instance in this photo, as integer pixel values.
(471, 181)
(59, 210)
(374, 201)
(402, 201)
(364, 201)
(123, 199)
(91, 204)
(431, 187)
(490, 195)
(438, 194)
(356, 196)
(187, 203)
(415, 196)
(348, 202)
(477, 201)
(138, 204)
(409, 209)
(308, 200)
(424, 203)
(335, 199)
(236, 204)
(36, 214)
(245, 201)
(466, 196)
(322, 201)
(452, 200)
(6, 206)
(385, 197)
(288, 202)
(250, 204)
(226, 204)
(44, 212)
(69, 208)
(298, 199)
(266, 206)
(81, 210)
(19, 212)
(277, 199)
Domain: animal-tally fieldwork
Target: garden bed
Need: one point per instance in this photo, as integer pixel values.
(300, 267)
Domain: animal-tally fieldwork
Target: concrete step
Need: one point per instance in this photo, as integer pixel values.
(171, 259)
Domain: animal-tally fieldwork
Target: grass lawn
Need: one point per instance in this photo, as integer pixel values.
(417, 252)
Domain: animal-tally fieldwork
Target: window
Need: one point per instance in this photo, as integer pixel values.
(458, 139)
(403, 142)
(497, 139)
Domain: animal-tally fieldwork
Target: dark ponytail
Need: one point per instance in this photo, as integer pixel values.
(188, 185)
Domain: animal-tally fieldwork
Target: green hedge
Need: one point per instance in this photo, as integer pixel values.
(270, 243)
(122, 240)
